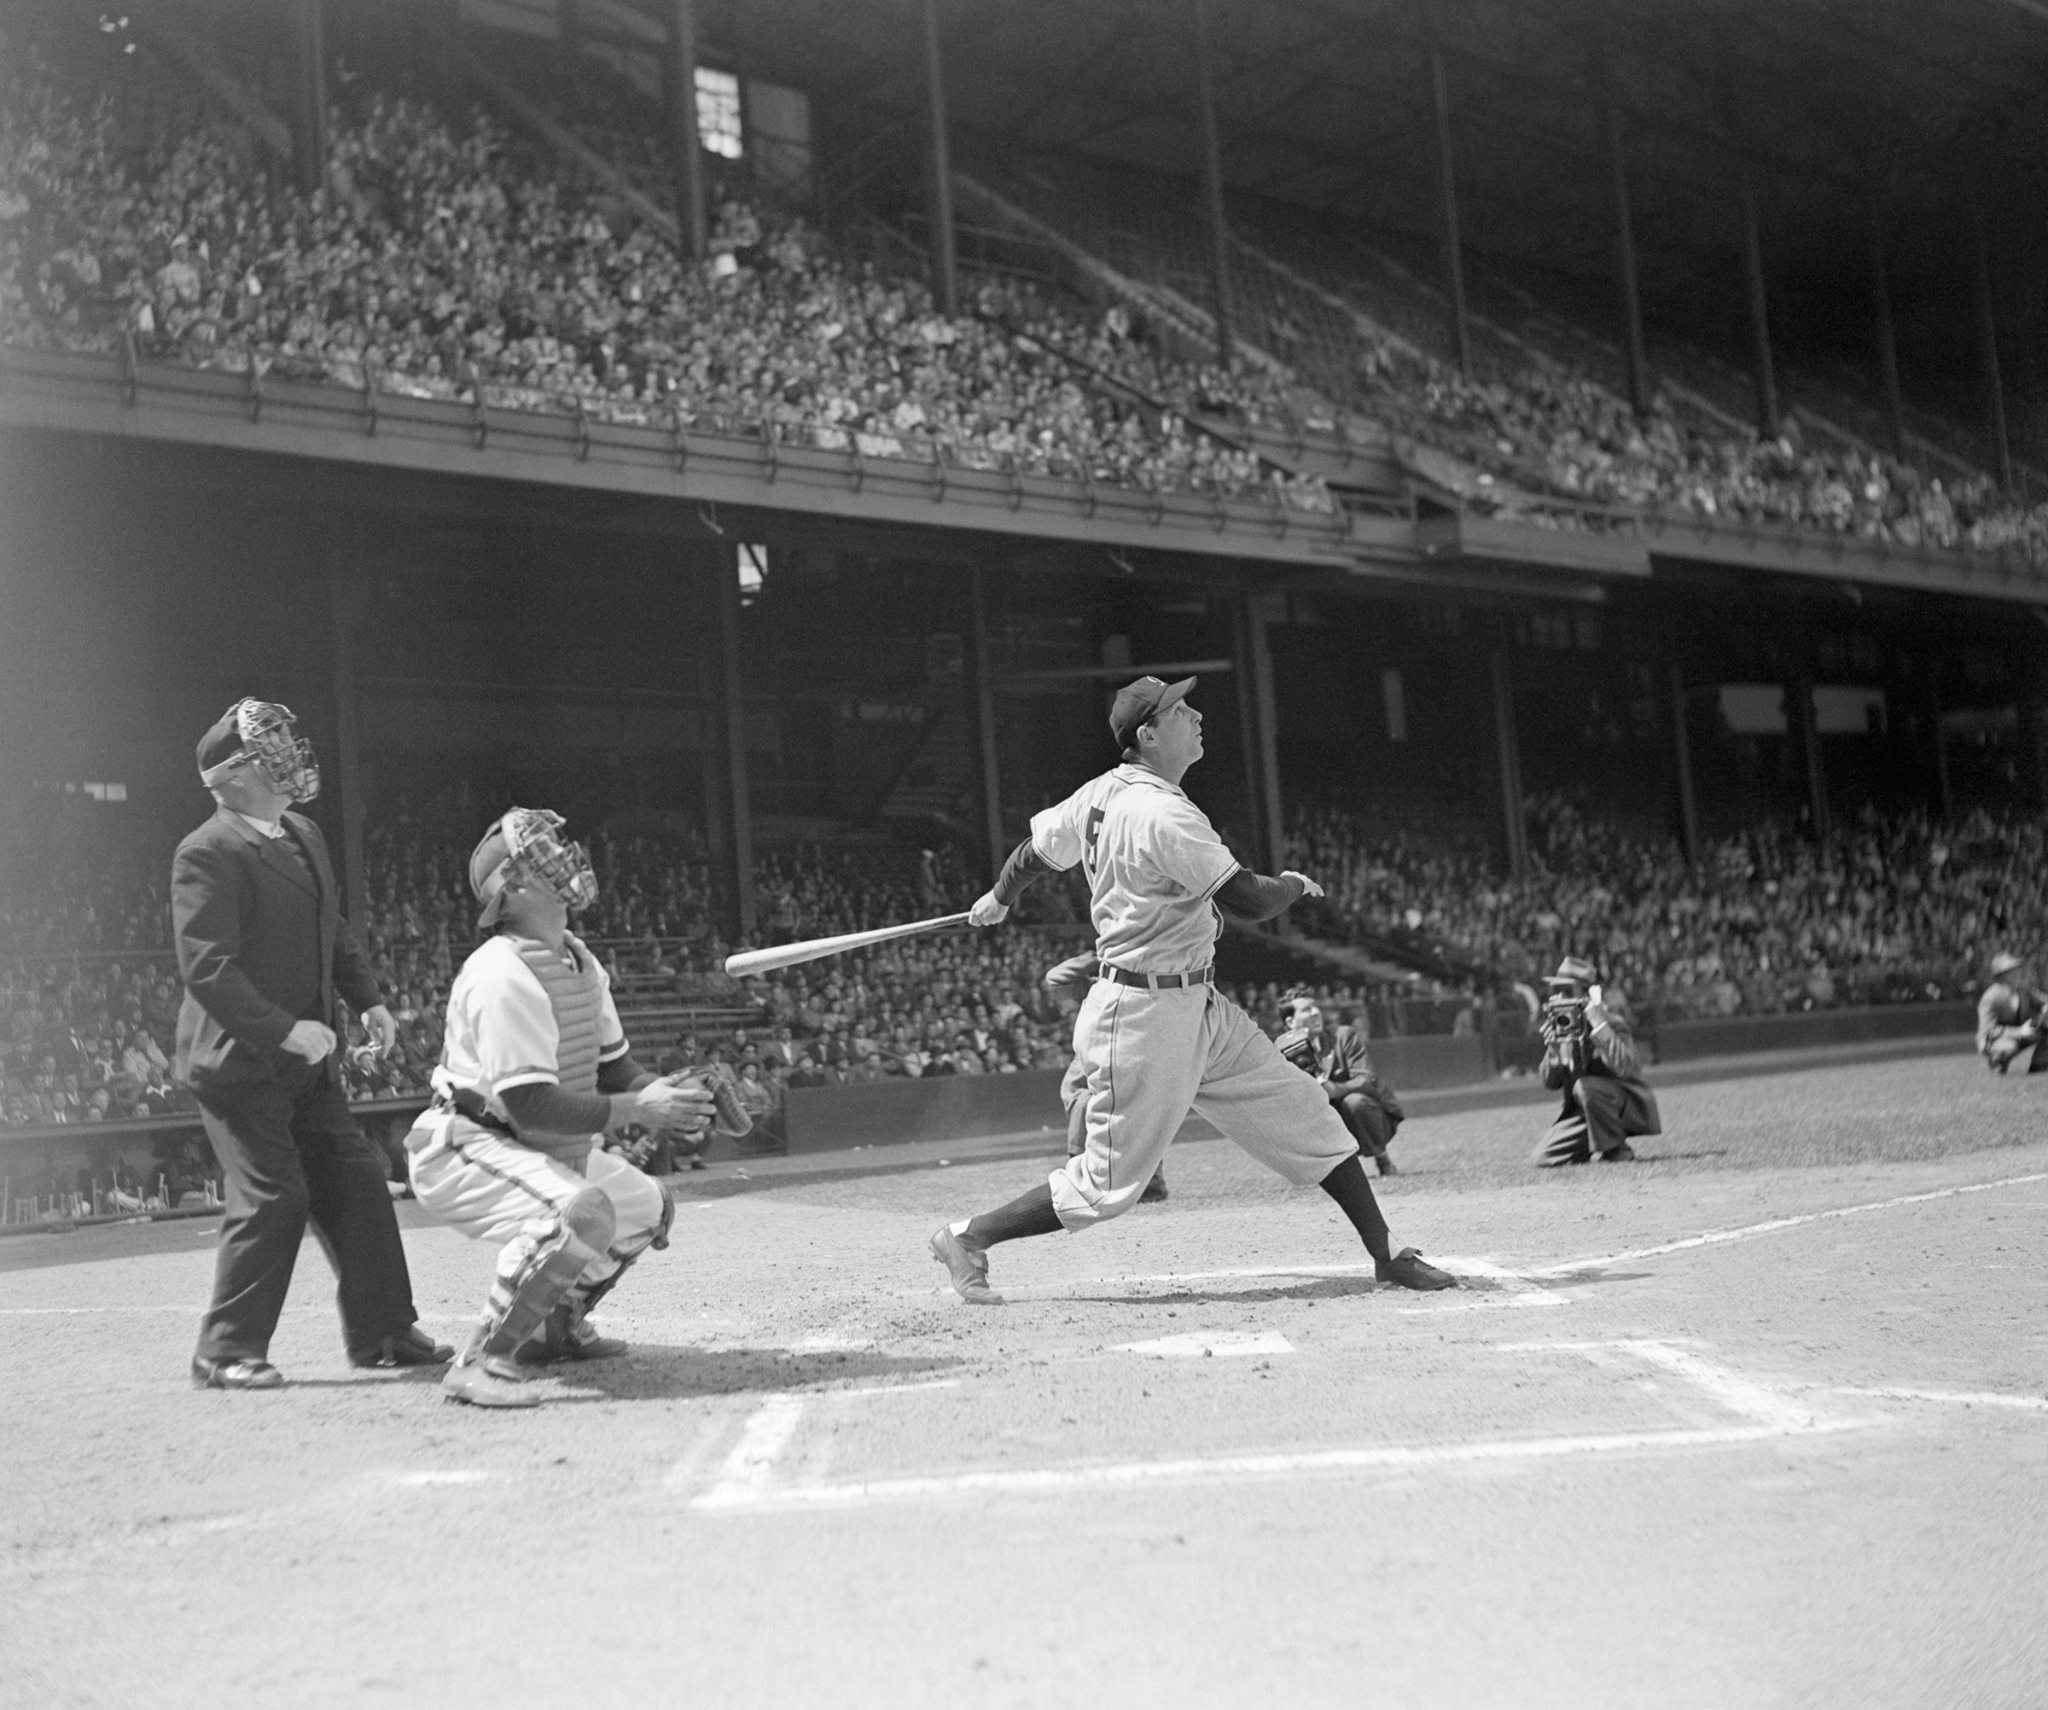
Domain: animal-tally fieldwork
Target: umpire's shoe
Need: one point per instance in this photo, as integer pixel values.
(235, 1374)
(967, 1266)
(412, 1347)
(1406, 1269)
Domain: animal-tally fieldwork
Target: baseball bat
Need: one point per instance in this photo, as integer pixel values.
(811, 949)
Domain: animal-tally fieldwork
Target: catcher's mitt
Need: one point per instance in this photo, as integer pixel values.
(1298, 1046)
(732, 1118)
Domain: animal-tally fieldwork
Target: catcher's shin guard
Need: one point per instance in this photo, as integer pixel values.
(575, 1240)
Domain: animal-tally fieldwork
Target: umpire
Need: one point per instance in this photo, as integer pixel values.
(262, 950)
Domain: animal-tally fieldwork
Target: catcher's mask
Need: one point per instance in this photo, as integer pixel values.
(527, 843)
(263, 737)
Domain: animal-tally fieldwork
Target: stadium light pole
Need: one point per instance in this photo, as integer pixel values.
(732, 722)
(1447, 214)
(309, 137)
(944, 243)
(1625, 259)
(341, 608)
(1887, 337)
(1681, 750)
(1212, 185)
(686, 153)
(1987, 344)
(982, 689)
(1508, 753)
(1766, 375)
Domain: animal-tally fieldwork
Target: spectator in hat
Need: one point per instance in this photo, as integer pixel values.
(1589, 1054)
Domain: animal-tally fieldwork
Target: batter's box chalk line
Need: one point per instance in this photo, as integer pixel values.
(1759, 1413)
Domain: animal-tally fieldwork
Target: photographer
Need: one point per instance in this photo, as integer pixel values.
(1337, 1058)
(1589, 1052)
(2009, 1016)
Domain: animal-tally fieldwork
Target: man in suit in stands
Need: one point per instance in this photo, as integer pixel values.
(2009, 1016)
(1589, 1054)
(1337, 1057)
(263, 951)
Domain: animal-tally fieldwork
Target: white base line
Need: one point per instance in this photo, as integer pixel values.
(1224, 1469)
(1749, 1231)
(743, 1480)
(1954, 1397)
(1767, 1415)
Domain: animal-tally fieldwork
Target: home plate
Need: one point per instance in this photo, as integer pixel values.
(1202, 1345)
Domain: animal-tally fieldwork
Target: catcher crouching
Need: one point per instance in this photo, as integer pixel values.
(1589, 1053)
(535, 1067)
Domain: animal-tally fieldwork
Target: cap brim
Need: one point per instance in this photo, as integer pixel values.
(491, 911)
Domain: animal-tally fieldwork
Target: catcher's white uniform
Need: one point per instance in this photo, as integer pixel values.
(505, 1030)
(1154, 1037)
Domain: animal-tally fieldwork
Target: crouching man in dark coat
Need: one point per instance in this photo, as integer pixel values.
(1589, 1053)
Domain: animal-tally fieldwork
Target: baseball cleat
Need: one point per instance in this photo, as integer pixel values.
(235, 1374)
(489, 1380)
(1622, 1154)
(967, 1266)
(1155, 1189)
(1407, 1269)
(1385, 1164)
(564, 1337)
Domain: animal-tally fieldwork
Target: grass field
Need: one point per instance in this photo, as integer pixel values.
(1760, 1420)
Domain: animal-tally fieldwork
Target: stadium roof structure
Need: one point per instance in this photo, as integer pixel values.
(1841, 108)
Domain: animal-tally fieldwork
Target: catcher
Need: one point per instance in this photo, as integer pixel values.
(1589, 1052)
(535, 1066)
(1336, 1056)
(2010, 1016)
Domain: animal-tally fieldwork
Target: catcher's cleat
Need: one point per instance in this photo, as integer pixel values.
(235, 1374)
(1155, 1189)
(488, 1380)
(1407, 1269)
(967, 1266)
(567, 1336)
(412, 1347)
(1622, 1154)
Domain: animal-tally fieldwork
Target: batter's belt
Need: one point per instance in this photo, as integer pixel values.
(1155, 982)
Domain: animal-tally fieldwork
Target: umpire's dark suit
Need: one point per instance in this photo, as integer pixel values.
(262, 944)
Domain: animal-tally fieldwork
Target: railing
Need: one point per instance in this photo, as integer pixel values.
(490, 429)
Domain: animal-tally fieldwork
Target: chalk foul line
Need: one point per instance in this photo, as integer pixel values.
(1750, 1231)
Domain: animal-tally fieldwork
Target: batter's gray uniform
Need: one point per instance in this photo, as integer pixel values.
(1154, 1037)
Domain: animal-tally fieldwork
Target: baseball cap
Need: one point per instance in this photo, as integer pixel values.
(1136, 702)
(2005, 962)
(222, 741)
(486, 874)
(1573, 971)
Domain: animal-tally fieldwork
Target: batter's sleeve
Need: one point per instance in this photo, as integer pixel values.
(1057, 832)
(1178, 841)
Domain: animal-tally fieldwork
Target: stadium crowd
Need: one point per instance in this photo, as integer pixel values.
(1886, 911)
(1889, 910)
(439, 258)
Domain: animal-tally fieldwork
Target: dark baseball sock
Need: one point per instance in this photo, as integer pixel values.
(1346, 1184)
(1028, 1214)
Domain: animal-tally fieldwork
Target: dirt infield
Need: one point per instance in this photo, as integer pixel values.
(1762, 1420)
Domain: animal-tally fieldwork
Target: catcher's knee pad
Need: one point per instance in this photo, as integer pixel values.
(575, 1240)
(668, 1221)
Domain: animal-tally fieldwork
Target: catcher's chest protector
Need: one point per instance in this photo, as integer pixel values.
(575, 995)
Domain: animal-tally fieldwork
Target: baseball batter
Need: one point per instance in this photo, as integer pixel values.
(1154, 1038)
(534, 1067)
